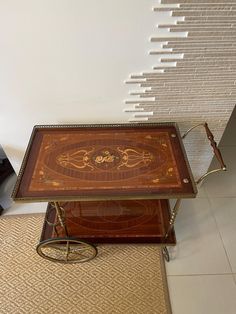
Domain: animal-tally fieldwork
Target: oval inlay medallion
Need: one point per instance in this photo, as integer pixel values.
(105, 160)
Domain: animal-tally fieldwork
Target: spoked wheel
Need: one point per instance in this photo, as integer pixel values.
(67, 251)
(165, 253)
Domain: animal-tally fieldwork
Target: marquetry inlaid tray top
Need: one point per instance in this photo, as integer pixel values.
(89, 162)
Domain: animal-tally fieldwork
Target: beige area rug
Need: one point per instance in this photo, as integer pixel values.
(124, 279)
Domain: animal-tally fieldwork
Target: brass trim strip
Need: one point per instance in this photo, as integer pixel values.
(102, 198)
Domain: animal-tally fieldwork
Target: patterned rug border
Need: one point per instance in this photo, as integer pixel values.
(162, 261)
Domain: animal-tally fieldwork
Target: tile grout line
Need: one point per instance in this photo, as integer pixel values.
(195, 275)
(223, 197)
(217, 226)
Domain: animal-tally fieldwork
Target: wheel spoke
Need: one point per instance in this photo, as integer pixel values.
(83, 248)
(67, 250)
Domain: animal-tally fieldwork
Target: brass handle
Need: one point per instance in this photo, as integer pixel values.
(215, 149)
(214, 146)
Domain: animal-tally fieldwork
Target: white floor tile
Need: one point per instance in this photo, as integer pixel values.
(223, 184)
(224, 210)
(199, 247)
(208, 294)
(229, 136)
(23, 208)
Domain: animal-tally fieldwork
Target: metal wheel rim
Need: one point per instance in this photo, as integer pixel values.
(68, 247)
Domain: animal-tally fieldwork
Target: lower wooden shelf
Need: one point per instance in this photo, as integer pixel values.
(126, 221)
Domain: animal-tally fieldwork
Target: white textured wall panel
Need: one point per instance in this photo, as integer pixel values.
(193, 75)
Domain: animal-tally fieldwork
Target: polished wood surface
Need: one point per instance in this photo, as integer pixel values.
(140, 221)
(105, 162)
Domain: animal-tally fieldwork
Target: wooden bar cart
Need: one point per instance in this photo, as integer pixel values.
(106, 184)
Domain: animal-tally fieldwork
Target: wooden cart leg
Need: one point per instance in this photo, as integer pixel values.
(166, 254)
(174, 213)
(56, 223)
(60, 217)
